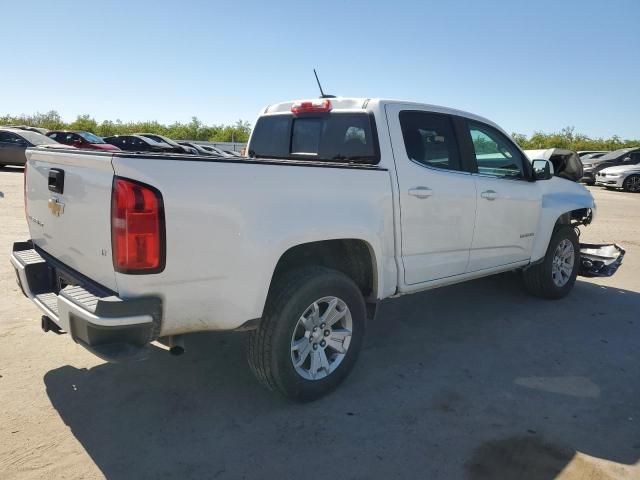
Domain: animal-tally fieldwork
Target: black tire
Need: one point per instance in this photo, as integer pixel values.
(538, 279)
(626, 185)
(269, 351)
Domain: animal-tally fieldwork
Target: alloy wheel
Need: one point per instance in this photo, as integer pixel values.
(321, 338)
(562, 263)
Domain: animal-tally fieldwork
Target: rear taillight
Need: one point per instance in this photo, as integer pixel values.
(137, 227)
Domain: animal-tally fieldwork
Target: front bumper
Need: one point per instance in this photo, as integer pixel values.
(613, 182)
(112, 328)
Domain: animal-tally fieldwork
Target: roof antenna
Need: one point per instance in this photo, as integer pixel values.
(322, 95)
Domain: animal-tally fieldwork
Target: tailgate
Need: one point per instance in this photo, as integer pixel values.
(68, 207)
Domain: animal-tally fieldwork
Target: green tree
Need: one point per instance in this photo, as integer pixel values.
(568, 138)
(193, 130)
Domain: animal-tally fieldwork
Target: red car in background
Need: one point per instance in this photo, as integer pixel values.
(80, 139)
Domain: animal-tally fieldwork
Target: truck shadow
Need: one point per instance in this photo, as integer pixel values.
(477, 380)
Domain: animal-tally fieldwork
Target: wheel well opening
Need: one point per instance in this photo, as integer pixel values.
(349, 256)
(580, 216)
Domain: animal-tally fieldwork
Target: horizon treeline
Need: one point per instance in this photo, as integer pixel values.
(569, 139)
(194, 130)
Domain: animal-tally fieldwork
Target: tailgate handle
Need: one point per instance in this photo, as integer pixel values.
(56, 180)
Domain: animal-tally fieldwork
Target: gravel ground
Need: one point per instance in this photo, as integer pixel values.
(471, 381)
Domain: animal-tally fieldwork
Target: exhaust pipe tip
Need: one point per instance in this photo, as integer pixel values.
(176, 345)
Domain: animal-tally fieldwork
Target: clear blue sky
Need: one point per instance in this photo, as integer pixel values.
(528, 65)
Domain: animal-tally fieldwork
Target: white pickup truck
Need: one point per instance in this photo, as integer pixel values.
(341, 202)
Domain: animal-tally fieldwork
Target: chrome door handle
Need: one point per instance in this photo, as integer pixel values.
(489, 194)
(420, 192)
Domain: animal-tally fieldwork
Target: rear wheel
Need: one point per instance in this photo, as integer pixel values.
(632, 184)
(555, 276)
(310, 334)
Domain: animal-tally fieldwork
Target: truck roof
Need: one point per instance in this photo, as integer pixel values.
(367, 104)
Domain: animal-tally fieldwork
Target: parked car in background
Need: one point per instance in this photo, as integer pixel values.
(611, 159)
(177, 148)
(14, 142)
(216, 150)
(29, 128)
(625, 176)
(198, 148)
(138, 143)
(233, 153)
(80, 139)
(205, 149)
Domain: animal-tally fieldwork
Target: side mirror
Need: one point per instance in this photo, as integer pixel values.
(542, 169)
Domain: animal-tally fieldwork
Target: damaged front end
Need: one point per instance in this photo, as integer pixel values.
(600, 260)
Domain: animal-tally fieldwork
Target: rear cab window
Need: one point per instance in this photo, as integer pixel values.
(327, 137)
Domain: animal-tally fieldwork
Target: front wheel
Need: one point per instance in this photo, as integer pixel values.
(310, 334)
(556, 274)
(631, 184)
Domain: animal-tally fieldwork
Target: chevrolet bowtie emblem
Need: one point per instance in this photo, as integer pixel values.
(56, 207)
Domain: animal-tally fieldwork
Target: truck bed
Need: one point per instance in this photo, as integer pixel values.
(227, 220)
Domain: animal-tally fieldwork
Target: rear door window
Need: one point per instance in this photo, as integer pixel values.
(429, 139)
(5, 137)
(334, 137)
(8, 137)
(139, 144)
(66, 138)
(634, 158)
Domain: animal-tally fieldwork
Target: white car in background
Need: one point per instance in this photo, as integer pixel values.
(625, 176)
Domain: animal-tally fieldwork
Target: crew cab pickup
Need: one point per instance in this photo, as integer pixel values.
(340, 203)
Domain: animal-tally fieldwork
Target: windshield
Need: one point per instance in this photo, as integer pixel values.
(37, 138)
(90, 137)
(336, 137)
